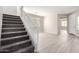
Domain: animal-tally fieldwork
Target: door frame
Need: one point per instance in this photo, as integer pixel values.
(58, 22)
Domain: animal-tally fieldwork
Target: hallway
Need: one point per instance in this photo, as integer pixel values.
(63, 43)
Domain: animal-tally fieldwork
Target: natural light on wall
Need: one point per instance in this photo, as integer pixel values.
(78, 23)
(64, 23)
(34, 11)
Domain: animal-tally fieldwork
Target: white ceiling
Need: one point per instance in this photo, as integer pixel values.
(58, 9)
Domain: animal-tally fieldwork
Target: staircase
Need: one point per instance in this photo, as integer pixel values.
(14, 37)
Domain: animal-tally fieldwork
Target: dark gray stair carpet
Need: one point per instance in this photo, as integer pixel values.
(14, 37)
(5, 22)
(12, 29)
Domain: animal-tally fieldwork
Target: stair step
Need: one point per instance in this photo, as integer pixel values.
(13, 21)
(10, 19)
(12, 29)
(25, 50)
(17, 45)
(4, 51)
(11, 16)
(13, 34)
(14, 44)
(6, 22)
(14, 37)
(14, 40)
(11, 26)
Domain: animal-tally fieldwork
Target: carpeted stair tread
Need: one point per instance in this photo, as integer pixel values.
(4, 39)
(13, 29)
(14, 40)
(13, 34)
(17, 45)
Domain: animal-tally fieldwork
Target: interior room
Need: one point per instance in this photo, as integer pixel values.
(39, 29)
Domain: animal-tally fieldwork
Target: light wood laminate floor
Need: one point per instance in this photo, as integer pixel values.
(63, 43)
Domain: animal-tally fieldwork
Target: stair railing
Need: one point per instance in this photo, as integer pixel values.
(30, 27)
(1, 15)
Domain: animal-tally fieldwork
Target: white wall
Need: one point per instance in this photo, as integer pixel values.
(10, 10)
(50, 19)
(50, 23)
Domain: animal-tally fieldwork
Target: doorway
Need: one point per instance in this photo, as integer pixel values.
(62, 24)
